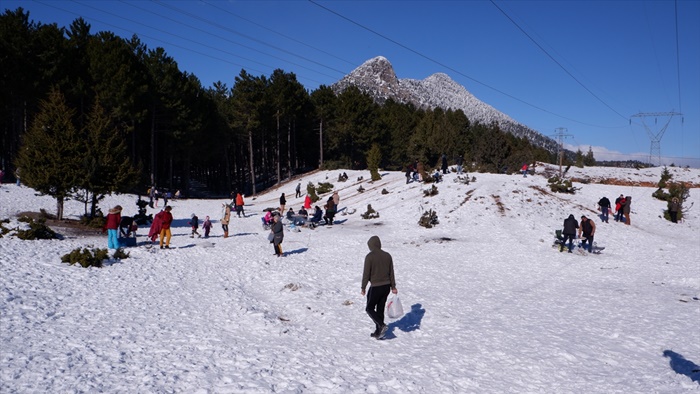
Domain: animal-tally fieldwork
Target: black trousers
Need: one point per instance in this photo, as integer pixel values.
(376, 301)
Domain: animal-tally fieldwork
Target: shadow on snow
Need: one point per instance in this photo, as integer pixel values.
(409, 322)
(682, 366)
(296, 251)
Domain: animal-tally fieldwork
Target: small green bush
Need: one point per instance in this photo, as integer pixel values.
(428, 219)
(85, 257)
(370, 214)
(324, 187)
(4, 230)
(433, 191)
(37, 229)
(120, 254)
(558, 185)
(675, 189)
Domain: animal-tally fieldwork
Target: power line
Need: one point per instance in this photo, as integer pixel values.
(557, 62)
(191, 15)
(279, 34)
(171, 44)
(211, 34)
(444, 65)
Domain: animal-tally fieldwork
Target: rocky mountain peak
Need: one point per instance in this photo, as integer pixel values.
(377, 78)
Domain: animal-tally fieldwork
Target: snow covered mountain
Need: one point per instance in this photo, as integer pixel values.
(377, 78)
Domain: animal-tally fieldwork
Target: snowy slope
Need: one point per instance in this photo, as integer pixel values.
(490, 306)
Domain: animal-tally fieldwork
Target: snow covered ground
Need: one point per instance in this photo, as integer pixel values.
(490, 306)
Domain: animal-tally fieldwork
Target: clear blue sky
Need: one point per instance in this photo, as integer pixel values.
(587, 66)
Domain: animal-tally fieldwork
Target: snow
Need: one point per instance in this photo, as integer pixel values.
(490, 306)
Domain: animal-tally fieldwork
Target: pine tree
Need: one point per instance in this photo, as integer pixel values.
(51, 156)
(589, 160)
(106, 163)
(579, 159)
(374, 157)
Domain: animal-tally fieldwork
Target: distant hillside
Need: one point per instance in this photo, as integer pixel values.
(377, 78)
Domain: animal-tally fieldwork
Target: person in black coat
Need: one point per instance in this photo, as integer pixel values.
(569, 233)
(604, 204)
(444, 163)
(283, 202)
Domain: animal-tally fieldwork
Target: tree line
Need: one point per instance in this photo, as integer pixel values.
(112, 115)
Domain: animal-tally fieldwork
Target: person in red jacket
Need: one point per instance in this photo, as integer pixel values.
(165, 219)
(239, 205)
(114, 217)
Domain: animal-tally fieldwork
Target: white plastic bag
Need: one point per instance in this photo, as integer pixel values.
(394, 309)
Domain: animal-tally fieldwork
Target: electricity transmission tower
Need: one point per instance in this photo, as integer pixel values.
(560, 134)
(655, 150)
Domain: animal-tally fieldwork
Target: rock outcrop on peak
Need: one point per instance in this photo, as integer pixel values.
(377, 78)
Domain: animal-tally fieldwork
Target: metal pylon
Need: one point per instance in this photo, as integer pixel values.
(655, 150)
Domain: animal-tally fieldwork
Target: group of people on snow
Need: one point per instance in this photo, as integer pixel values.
(586, 229)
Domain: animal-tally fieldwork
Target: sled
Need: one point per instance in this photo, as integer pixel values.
(578, 248)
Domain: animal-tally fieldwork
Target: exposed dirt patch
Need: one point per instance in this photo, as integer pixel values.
(466, 198)
(499, 204)
(64, 227)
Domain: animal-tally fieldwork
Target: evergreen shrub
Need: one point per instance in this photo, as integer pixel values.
(433, 191)
(86, 257)
(311, 191)
(120, 254)
(4, 230)
(37, 229)
(558, 185)
(324, 187)
(370, 213)
(428, 219)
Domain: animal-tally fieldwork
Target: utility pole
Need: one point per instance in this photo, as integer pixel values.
(655, 149)
(320, 145)
(560, 134)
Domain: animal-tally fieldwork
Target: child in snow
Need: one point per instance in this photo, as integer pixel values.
(194, 223)
(206, 226)
(226, 217)
(267, 219)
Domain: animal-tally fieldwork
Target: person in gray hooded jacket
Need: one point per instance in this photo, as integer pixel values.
(379, 272)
